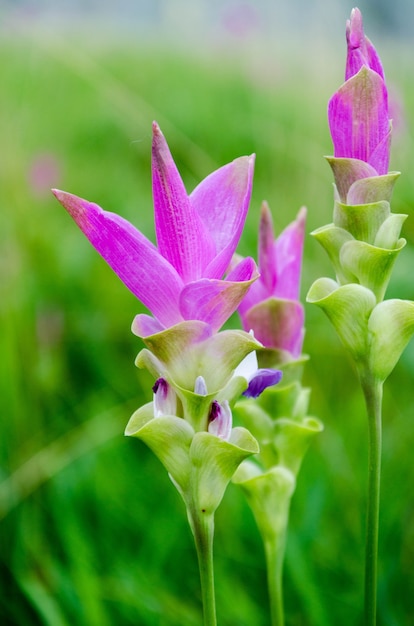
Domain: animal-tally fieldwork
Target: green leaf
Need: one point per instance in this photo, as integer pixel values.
(391, 326)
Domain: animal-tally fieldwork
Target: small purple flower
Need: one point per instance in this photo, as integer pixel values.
(220, 420)
(165, 398)
(358, 112)
(262, 379)
(271, 308)
(257, 379)
(181, 279)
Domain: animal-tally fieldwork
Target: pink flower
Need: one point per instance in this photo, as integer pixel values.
(271, 308)
(181, 278)
(358, 112)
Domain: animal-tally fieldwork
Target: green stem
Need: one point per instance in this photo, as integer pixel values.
(203, 530)
(373, 400)
(275, 552)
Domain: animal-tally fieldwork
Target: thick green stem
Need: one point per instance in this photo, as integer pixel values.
(203, 530)
(373, 399)
(275, 552)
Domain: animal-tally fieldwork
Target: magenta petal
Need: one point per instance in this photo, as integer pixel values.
(262, 379)
(288, 252)
(212, 300)
(222, 200)
(278, 324)
(360, 49)
(181, 236)
(132, 257)
(356, 55)
(380, 157)
(268, 262)
(145, 325)
(358, 116)
(257, 293)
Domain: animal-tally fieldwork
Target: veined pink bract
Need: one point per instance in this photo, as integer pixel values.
(271, 308)
(197, 234)
(358, 112)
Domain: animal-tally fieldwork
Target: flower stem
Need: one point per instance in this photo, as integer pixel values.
(203, 530)
(373, 400)
(275, 552)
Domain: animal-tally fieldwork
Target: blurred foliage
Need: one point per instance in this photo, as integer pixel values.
(91, 531)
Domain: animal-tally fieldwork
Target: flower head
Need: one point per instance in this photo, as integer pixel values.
(181, 278)
(271, 308)
(358, 112)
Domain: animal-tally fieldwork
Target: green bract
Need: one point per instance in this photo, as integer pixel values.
(187, 351)
(363, 243)
(279, 421)
(199, 463)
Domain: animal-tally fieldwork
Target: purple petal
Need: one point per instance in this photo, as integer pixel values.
(220, 420)
(288, 252)
(132, 257)
(181, 236)
(358, 118)
(277, 324)
(262, 379)
(212, 300)
(222, 200)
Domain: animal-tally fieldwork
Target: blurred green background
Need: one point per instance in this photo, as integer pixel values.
(91, 530)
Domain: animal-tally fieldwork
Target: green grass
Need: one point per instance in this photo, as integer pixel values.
(91, 531)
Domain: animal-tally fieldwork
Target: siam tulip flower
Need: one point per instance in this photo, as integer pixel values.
(358, 113)
(181, 279)
(363, 243)
(278, 417)
(271, 308)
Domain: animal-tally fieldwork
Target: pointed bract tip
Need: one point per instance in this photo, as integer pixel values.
(301, 216)
(156, 130)
(57, 193)
(265, 210)
(73, 204)
(355, 29)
